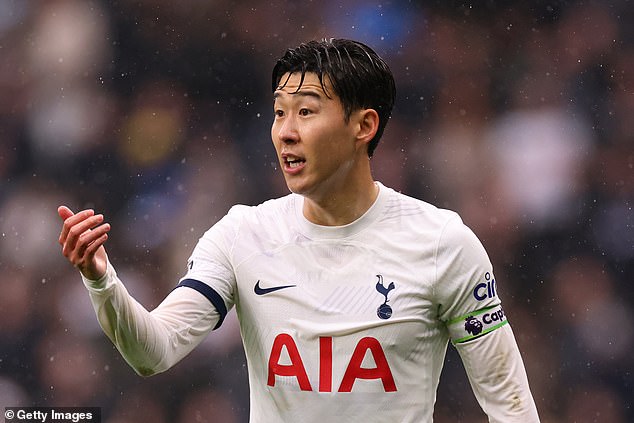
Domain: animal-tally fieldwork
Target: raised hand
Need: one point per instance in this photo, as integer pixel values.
(82, 238)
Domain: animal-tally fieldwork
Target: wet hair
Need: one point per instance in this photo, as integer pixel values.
(357, 75)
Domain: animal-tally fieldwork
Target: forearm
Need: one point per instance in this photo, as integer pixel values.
(151, 342)
(498, 378)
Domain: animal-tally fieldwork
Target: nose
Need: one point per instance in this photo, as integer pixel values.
(285, 130)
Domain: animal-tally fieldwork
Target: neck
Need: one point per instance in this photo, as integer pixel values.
(341, 207)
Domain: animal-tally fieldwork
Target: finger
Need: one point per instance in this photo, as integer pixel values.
(94, 246)
(71, 221)
(64, 212)
(78, 230)
(88, 239)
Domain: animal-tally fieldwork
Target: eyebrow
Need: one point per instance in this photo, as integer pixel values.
(314, 94)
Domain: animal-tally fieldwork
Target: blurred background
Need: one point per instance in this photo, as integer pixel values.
(516, 114)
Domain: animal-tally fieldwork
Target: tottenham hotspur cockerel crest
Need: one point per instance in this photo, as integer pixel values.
(384, 311)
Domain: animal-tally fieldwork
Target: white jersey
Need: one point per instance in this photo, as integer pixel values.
(346, 323)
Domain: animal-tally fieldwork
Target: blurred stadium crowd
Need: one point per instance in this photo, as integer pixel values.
(518, 115)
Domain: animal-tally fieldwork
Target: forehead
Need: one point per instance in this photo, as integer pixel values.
(291, 84)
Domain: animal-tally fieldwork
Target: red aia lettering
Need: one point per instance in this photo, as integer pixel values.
(296, 368)
(353, 371)
(325, 364)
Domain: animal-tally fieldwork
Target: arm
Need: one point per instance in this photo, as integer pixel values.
(470, 306)
(150, 342)
(497, 376)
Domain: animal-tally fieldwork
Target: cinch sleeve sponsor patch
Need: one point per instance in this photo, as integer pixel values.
(475, 324)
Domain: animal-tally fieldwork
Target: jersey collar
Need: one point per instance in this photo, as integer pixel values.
(314, 231)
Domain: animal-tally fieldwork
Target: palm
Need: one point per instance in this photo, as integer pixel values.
(82, 238)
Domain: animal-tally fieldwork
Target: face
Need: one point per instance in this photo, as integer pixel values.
(315, 145)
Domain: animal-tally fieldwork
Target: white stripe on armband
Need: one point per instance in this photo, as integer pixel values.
(475, 324)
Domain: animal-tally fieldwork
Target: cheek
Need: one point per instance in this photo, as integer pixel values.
(332, 133)
(273, 131)
(274, 138)
(339, 141)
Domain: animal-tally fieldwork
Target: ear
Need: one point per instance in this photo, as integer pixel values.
(368, 120)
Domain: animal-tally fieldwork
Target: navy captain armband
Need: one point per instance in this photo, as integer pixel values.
(214, 298)
(476, 324)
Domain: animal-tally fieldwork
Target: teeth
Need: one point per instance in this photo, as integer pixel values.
(293, 162)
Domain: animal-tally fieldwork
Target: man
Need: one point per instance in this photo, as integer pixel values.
(347, 291)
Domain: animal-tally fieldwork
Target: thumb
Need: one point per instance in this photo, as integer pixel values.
(64, 212)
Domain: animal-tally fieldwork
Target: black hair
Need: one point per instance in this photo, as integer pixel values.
(358, 76)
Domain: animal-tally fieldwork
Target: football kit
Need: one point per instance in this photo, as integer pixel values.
(345, 323)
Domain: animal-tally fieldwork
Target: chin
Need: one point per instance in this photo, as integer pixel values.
(294, 189)
(298, 188)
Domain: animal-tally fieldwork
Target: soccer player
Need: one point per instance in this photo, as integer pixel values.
(347, 291)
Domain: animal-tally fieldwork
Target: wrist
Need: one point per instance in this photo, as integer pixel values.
(99, 282)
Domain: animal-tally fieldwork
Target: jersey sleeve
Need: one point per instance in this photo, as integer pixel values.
(498, 378)
(150, 341)
(470, 307)
(153, 341)
(210, 269)
(465, 288)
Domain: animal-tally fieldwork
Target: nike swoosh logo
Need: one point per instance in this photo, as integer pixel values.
(263, 291)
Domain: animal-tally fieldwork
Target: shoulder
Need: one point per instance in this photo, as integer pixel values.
(402, 209)
(260, 221)
(240, 214)
(248, 226)
(267, 211)
(456, 250)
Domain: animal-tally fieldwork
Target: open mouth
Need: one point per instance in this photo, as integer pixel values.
(292, 162)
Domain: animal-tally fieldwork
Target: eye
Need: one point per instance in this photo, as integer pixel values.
(279, 113)
(304, 112)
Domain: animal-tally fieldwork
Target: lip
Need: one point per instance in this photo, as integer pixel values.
(288, 158)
